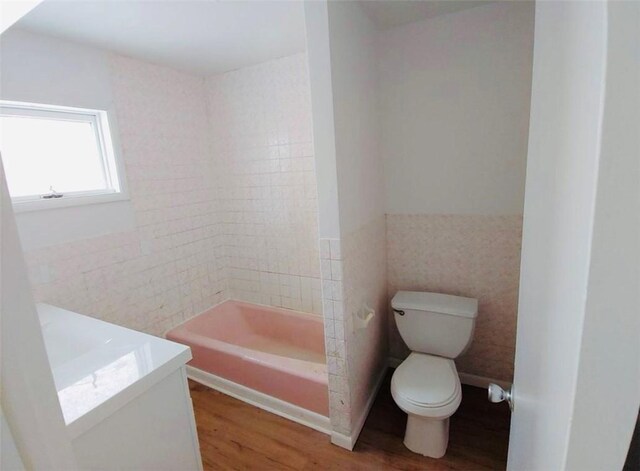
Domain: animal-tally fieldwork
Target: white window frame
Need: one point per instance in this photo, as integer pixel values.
(111, 163)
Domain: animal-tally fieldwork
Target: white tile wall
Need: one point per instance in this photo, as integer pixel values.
(334, 332)
(363, 252)
(170, 266)
(260, 131)
(224, 195)
(354, 275)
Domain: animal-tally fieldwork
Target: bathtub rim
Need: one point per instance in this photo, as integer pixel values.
(321, 377)
(261, 400)
(294, 366)
(318, 317)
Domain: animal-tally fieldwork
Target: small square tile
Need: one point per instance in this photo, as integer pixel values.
(336, 270)
(325, 249)
(336, 251)
(327, 308)
(338, 309)
(326, 269)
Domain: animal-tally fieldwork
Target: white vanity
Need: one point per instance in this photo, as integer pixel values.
(123, 394)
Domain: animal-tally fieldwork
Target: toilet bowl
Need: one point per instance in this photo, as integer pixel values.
(427, 388)
(437, 328)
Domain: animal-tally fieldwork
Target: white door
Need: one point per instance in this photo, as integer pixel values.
(577, 370)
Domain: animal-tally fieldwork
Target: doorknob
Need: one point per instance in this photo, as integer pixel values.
(497, 394)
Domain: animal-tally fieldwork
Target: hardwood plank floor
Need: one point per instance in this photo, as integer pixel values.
(236, 436)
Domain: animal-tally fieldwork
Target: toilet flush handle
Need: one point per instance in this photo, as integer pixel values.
(497, 394)
(400, 312)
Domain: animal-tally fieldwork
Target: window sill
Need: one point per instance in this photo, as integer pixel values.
(66, 202)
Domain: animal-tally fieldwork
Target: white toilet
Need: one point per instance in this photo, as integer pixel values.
(437, 328)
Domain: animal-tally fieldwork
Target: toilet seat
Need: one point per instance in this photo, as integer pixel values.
(427, 386)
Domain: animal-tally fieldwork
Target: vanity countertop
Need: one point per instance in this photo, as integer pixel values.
(99, 367)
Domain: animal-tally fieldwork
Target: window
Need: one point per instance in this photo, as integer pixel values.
(57, 156)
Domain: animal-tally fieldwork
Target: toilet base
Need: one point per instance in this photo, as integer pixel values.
(429, 437)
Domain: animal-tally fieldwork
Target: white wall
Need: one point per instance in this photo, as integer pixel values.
(344, 96)
(58, 72)
(18, 312)
(10, 12)
(9, 456)
(324, 140)
(38, 69)
(353, 74)
(454, 115)
(562, 174)
(29, 399)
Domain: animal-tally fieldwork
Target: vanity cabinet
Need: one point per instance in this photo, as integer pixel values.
(123, 394)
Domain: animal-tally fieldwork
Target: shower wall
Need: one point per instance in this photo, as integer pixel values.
(265, 183)
(221, 184)
(167, 266)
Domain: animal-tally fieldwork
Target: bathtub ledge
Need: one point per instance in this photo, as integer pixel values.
(263, 401)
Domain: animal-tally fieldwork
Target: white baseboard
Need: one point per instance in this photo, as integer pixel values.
(481, 381)
(263, 401)
(465, 378)
(342, 440)
(349, 441)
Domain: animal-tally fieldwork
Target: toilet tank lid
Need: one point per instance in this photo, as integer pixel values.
(435, 302)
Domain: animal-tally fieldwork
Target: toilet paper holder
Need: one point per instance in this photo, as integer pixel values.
(363, 316)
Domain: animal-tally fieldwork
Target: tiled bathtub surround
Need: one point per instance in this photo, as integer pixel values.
(223, 198)
(365, 279)
(169, 267)
(354, 275)
(260, 131)
(467, 255)
(332, 264)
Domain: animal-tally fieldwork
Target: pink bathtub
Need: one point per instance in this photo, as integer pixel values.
(274, 351)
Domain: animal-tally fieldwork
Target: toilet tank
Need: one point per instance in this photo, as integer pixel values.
(434, 323)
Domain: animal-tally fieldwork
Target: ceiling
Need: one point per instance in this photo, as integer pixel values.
(202, 37)
(389, 14)
(207, 37)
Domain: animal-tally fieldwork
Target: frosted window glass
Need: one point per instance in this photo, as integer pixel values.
(40, 153)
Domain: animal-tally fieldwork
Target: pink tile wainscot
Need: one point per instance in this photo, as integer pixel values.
(275, 351)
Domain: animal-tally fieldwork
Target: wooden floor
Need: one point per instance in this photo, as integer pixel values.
(235, 435)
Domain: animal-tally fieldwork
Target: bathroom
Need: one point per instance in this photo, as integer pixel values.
(273, 174)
